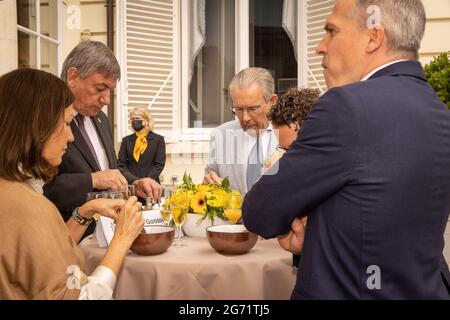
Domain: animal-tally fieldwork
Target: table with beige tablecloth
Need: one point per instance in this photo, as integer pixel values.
(199, 272)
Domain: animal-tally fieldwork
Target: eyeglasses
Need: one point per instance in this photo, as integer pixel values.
(251, 111)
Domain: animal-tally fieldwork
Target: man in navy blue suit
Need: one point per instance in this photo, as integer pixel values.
(370, 168)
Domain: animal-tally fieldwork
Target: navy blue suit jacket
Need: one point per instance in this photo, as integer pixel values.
(371, 169)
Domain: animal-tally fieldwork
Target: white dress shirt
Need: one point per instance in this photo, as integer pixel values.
(379, 68)
(266, 143)
(96, 142)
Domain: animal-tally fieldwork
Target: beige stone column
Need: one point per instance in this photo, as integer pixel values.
(8, 36)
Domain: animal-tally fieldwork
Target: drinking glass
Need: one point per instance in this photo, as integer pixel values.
(166, 215)
(91, 196)
(127, 190)
(233, 212)
(178, 216)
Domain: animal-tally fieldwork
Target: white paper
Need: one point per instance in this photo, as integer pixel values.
(104, 231)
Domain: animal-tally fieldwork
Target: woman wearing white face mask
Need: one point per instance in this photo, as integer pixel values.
(143, 153)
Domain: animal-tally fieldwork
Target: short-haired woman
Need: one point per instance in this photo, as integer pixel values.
(287, 117)
(39, 258)
(143, 153)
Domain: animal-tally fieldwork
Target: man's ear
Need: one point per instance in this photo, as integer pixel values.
(377, 36)
(72, 77)
(273, 100)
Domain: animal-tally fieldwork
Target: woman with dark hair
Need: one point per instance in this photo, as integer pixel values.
(287, 117)
(39, 258)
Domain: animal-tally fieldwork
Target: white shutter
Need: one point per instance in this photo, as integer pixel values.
(148, 59)
(317, 12)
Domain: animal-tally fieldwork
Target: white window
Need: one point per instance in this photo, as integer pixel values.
(178, 56)
(222, 35)
(148, 55)
(39, 35)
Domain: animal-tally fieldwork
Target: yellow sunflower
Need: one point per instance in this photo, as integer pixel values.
(218, 198)
(198, 203)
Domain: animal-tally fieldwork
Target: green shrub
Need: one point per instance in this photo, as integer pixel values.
(438, 75)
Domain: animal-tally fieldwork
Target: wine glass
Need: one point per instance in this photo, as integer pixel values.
(179, 216)
(166, 215)
(233, 211)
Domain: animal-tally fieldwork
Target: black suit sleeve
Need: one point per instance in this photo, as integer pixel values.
(68, 191)
(318, 165)
(123, 161)
(159, 161)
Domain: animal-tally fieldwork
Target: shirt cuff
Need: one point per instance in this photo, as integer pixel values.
(106, 276)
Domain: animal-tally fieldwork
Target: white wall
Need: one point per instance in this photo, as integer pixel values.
(437, 33)
(8, 36)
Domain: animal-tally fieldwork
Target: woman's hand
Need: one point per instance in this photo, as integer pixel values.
(129, 225)
(293, 241)
(104, 207)
(272, 159)
(130, 222)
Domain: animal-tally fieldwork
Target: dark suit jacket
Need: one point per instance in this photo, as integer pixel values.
(371, 166)
(152, 161)
(69, 188)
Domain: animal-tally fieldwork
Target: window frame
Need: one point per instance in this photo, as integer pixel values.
(39, 36)
(242, 60)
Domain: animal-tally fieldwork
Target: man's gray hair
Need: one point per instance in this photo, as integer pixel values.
(403, 20)
(250, 76)
(91, 57)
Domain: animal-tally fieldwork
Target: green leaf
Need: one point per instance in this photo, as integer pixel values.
(226, 183)
(437, 73)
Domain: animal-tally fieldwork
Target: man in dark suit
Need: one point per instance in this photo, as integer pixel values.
(90, 164)
(370, 166)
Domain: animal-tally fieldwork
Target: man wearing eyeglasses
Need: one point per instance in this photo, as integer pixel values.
(238, 147)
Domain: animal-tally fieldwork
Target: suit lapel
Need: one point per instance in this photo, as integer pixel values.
(81, 145)
(104, 135)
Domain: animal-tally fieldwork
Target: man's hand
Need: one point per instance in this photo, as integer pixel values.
(293, 241)
(108, 180)
(211, 178)
(147, 187)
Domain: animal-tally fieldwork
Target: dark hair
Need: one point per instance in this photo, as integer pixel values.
(32, 102)
(293, 106)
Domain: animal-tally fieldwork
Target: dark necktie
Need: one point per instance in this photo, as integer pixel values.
(80, 122)
(254, 165)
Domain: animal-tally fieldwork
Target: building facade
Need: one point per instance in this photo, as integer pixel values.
(178, 57)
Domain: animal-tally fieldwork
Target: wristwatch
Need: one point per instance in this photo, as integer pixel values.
(80, 219)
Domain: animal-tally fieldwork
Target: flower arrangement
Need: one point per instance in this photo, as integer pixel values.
(208, 201)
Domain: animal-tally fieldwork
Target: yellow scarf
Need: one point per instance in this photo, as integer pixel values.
(141, 144)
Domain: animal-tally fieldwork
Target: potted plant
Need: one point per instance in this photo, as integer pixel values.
(206, 205)
(438, 75)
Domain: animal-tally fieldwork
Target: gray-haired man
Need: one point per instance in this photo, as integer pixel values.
(238, 147)
(91, 71)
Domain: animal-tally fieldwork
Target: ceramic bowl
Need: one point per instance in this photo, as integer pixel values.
(231, 239)
(156, 240)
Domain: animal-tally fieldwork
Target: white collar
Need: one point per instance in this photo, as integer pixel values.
(36, 184)
(381, 67)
